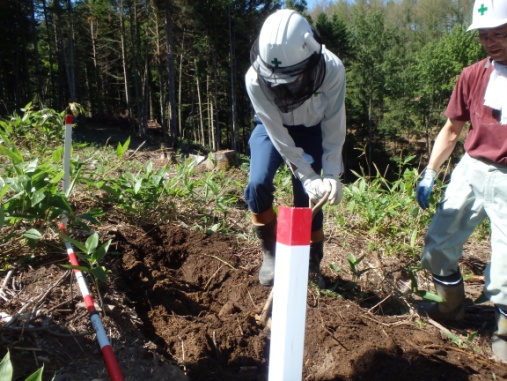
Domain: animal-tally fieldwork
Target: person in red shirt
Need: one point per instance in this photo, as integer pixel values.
(478, 184)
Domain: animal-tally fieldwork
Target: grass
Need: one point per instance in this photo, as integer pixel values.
(116, 183)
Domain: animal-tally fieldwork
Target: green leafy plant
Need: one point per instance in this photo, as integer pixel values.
(330, 291)
(135, 193)
(29, 192)
(7, 370)
(354, 263)
(385, 210)
(92, 254)
(343, 289)
(38, 130)
(461, 342)
(413, 270)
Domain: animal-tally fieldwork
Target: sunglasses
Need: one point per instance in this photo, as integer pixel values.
(483, 37)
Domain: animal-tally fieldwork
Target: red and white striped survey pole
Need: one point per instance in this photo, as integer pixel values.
(105, 347)
(289, 294)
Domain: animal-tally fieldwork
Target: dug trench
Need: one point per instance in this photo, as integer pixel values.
(197, 296)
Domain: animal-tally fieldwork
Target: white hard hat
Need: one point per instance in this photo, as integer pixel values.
(488, 14)
(286, 40)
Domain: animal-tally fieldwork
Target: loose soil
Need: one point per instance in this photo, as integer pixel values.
(182, 305)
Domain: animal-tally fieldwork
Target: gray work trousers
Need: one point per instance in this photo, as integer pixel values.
(477, 190)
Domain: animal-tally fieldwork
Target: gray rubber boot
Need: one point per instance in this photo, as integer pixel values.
(499, 338)
(267, 237)
(316, 255)
(452, 290)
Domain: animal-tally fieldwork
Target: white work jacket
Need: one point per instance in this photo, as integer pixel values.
(326, 106)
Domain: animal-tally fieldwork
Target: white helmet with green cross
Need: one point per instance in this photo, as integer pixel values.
(285, 43)
(288, 59)
(488, 14)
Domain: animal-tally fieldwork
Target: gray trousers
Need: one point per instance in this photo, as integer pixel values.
(477, 190)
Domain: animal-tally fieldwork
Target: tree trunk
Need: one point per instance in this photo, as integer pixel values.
(158, 55)
(62, 73)
(124, 62)
(136, 49)
(370, 135)
(211, 127)
(51, 92)
(233, 82)
(180, 83)
(95, 98)
(170, 71)
(38, 76)
(71, 69)
(199, 104)
(216, 130)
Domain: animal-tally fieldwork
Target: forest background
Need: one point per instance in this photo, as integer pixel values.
(180, 65)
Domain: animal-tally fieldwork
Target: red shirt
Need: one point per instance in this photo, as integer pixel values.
(486, 138)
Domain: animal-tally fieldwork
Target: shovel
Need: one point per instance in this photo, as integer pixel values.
(264, 318)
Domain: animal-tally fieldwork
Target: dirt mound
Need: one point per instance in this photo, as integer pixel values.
(182, 305)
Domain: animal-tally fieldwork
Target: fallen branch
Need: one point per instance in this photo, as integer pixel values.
(221, 260)
(475, 279)
(183, 355)
(444, 330)
(48, 329)
(331, 333)
(211, 277)
(35, 301)
(264, 316)
(7, 277)
(399, 322)
(4, 283)
(379, 303)
(476, 357)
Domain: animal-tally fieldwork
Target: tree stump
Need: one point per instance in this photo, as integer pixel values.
(223, 160)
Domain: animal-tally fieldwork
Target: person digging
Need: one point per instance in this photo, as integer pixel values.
(297, 90)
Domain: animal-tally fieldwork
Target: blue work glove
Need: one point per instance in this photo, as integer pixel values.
(423, 189)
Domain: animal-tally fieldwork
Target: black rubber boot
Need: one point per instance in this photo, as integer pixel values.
(499, 338)
(267, 237)
(316, 255)
(452, 290)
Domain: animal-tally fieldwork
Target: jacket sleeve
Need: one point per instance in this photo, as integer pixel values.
(270, 116)
(334, 122)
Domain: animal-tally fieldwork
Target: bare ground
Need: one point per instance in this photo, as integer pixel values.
(182, 305)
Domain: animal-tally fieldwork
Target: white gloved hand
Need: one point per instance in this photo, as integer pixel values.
(335, 186)
(314, 186)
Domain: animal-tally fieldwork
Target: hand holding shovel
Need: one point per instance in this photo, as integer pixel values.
(264, 318)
